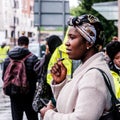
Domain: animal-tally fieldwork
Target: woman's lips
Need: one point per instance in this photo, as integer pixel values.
(68, 51)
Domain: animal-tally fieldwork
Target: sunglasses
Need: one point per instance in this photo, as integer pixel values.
(76, 21)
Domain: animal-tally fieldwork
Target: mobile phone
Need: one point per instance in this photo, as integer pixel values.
(43, 102)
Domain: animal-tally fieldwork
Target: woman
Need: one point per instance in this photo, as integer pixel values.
(86, 96)
(43, 90)
(113, 51)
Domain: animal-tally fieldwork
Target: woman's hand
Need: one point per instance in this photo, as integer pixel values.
(45, 109)
(58, 72)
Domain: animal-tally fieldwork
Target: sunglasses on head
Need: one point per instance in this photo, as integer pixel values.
(76, 21)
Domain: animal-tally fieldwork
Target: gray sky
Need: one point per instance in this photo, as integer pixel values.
(73, 3)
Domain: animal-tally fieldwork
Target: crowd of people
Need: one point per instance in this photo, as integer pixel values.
(78, 87)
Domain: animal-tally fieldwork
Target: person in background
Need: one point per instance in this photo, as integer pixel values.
(52, 42)
(115, 38)
(23, 103)
(85, 96)
(113, 51)
(4, 49)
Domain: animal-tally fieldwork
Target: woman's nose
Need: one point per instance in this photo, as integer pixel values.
(67, 43)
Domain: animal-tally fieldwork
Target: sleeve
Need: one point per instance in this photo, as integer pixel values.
(30, 63)
(5, 64)
(35, 60)
(57, 88)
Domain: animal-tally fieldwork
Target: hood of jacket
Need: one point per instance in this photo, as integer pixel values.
(18, 52)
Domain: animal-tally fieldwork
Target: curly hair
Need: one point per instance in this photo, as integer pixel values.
(112, 49)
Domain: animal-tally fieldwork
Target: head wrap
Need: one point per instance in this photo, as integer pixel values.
(84, 24)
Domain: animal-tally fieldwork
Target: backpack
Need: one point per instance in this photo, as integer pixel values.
(15, 78)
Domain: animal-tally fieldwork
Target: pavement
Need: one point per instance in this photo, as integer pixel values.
(5, 113)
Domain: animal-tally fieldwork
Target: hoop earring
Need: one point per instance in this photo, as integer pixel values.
(87, 48)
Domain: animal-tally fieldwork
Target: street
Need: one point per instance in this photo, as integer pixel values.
(5, 113)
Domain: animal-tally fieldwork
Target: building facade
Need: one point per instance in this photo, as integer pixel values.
(17, 17)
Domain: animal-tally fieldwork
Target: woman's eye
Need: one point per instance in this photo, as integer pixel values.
(72, 37)
(117, 58)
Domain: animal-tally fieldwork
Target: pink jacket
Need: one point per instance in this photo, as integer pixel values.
(86, 96)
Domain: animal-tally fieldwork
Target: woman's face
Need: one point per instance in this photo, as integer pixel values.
(117, 59)
(76, 45)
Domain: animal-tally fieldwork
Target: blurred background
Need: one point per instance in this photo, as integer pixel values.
(39, 19)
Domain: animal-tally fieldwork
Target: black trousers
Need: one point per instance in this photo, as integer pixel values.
(19, 106)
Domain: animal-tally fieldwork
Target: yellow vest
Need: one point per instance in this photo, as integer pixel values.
(116, 79)
(3, 53)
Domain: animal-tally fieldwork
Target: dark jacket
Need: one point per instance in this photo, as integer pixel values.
(19, 53)
(42, 65)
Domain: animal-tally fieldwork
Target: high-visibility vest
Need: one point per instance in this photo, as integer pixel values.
(3, 53)
(116, 79)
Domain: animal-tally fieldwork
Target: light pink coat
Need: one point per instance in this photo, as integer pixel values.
(85, 97)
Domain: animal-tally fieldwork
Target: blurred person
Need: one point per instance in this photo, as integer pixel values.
(86, 96)
(23, 103)
(113, 51)
(4, 49)
(115, 38)
(23, 33)
(52, 42)
(43, 89)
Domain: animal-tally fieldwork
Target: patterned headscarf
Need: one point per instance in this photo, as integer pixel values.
(84, 24)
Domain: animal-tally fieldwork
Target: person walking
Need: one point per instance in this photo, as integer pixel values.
(23, 103)
(86, 96)
(113, 51)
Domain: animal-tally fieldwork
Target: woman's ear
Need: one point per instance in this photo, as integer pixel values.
(88, 45)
